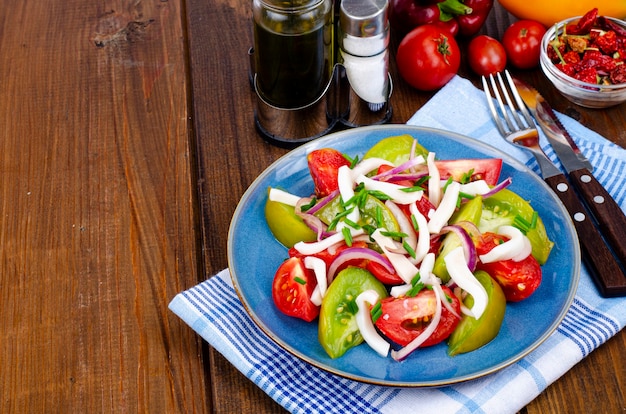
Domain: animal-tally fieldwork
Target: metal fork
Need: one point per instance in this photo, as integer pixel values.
(517, 127)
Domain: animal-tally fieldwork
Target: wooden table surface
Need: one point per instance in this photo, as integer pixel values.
(127, 140)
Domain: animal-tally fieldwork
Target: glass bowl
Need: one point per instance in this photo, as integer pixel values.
(585, 94)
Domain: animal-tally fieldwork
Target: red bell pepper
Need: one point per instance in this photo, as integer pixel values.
(457, 16)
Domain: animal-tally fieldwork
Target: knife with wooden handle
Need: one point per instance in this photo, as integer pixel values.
(607, 214)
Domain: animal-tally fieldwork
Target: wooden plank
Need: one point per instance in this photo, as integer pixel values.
(96, 211)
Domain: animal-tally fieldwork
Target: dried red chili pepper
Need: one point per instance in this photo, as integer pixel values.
(585, 23)
(606, 24)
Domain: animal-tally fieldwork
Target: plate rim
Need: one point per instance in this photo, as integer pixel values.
(411, 129)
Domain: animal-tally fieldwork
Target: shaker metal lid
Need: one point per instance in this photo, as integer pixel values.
(361, 18)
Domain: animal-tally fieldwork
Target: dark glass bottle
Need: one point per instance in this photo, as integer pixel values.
(293, 48)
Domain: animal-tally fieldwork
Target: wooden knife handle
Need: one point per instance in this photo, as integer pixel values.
(606, 211)
(600, 261)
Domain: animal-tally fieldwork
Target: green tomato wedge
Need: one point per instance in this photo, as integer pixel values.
(338, 329)
(373, 213)
(470, 211)
(285, 224)
(396, 149)
(502, 208)
(472, 333)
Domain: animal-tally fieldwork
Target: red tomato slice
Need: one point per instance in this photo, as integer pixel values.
(292, 289)
(382, 274)
(323, 166)
(403, 319)
(487, 169)
(517, 279)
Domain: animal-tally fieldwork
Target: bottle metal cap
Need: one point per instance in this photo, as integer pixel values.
(361, 18)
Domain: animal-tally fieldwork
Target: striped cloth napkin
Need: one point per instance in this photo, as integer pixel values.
(214, 311)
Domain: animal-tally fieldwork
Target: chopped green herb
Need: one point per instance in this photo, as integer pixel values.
(307, 206)
(393, 234)
(300, 280)
(411, 189)
(347, 235)
(467, 177)
(408, 249)
(416, 226)
(376, 312)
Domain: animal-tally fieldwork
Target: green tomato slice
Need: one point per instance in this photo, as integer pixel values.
(396, 149)
(286, 226)
(472, 333)
(338, 329)
(502, 208)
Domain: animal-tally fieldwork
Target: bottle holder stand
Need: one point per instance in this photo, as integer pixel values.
(339, 107)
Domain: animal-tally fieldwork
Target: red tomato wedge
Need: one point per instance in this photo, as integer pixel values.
(487, 169)
(517, 279)
(404, 318)
(323, 166)
(292, 289)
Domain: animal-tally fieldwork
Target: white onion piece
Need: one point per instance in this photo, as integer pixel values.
(463, 277)
(365, 324)
(426, 268)
(469, 249)
(368, 165)
(400, 290)
(352, 253)
(517, 248)
(309, 248)
(445, 209)
(434, 188)
(421, 338)
(346, 189)
(478, 187)
(446, 304)
(404, 268)
(392, 190)
(423, 235)
(405, 224)
(318, 266)
(284, 197)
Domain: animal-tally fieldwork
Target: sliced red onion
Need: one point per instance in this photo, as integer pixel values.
(352, 253)
(322, 202)
(502, 185)
(469, 250)
(406, 166)
(402, 177)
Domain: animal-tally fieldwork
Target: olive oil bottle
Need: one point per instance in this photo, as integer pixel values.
(293, 49)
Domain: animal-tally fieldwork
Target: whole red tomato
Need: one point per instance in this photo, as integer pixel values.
(428, 57)
(522, 42)
(486, 55)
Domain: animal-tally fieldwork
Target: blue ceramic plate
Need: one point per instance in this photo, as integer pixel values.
(254, 255)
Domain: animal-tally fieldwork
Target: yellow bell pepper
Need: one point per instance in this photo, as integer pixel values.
(553, 11)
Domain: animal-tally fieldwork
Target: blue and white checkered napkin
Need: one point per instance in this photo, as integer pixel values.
(214, 311)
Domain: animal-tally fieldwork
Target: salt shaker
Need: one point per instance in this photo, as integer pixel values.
(363, 49)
